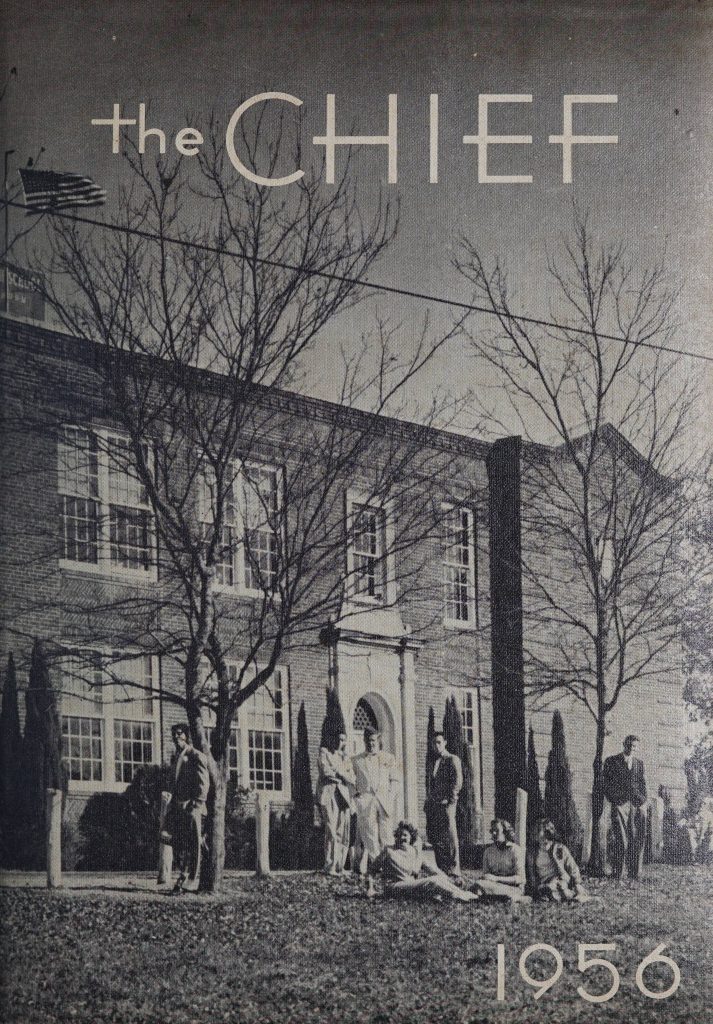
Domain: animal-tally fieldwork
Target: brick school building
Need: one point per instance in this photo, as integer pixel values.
(80, 562)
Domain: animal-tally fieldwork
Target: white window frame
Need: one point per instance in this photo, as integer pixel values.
(356, 499)
(471, 583)
(237, 521)
(467, 701)
(104, 565)
(106, 705)
(242, 726)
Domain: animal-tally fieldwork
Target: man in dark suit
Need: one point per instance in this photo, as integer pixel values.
(442, 789)
(625, 788)
(188, 808)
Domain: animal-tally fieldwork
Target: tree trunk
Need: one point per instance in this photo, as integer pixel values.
(216, 827)
(596, 860)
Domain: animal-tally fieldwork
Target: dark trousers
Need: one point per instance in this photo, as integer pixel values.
(627, 840)
(187, 827)
(442, 835)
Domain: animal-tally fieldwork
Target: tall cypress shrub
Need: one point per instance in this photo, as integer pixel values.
(453, 727)
(302, 816)
(430, 752)
(559, 802)
(42, 766)
(534, 793)
(10, 744)
(333, 725)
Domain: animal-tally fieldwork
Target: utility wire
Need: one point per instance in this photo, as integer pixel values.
(360, 282)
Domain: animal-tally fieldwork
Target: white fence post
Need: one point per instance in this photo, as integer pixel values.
(521, 818)
(165, 850)
(656, 829)
(54, 838)
(262, 833)
(587, 844)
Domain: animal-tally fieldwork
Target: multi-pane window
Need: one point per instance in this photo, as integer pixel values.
(367, 560)
(129, 515)
(258, 751)
(225, 557)
(209, 502)
(247, 552)
(134, 685)
(108, 717)
(84, 682)
(459, 566)
(104, 512)
(130, 537)
(264, 719)
(469, 716)
(83, 731)
(82, 748)
(233, 762)
(133, 747)
(261, 489)
(78, 485)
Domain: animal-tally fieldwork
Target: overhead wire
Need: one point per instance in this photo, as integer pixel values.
(363, 283)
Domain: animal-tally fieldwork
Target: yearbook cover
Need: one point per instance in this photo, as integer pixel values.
(356, 512)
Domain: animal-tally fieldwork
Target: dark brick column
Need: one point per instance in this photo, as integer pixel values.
(503, 463)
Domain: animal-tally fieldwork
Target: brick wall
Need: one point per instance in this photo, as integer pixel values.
(49, 379)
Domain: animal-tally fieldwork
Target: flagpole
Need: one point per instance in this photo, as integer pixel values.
(6, 192)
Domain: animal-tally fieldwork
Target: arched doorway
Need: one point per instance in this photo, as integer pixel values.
(371, 711)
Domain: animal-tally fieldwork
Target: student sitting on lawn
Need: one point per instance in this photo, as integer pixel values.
(503, 873)
(552, 869)
(401, 866)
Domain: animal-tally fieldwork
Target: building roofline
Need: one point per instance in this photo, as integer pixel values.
(50, 341)
(47, 339)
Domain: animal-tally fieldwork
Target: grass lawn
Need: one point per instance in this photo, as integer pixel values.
(311, 949)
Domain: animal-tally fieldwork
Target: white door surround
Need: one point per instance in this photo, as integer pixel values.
(372, 659)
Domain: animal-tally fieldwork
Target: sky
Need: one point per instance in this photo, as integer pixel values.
(75, 60)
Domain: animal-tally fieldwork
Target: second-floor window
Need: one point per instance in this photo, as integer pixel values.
(105, 517)
(261, 497)
(459, 583)
(248, 553)
(367, 552)
(129, 514)
(78, 484)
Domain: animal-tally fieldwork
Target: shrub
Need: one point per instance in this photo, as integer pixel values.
(333, 725)
(10, 744)
(430, 751)
(299, 824)
(534, 793)
(119, 831)
(699, 778)
(41, 768)
(559, 802)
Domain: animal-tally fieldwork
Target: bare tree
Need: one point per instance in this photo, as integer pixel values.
(193, 345)
(603, 507)
(698, 623)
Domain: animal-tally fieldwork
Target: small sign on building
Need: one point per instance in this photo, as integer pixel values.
(21, 293)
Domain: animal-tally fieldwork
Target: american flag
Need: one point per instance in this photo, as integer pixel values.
(46, 191)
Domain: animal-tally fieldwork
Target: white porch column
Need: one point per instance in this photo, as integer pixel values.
(407, 685)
